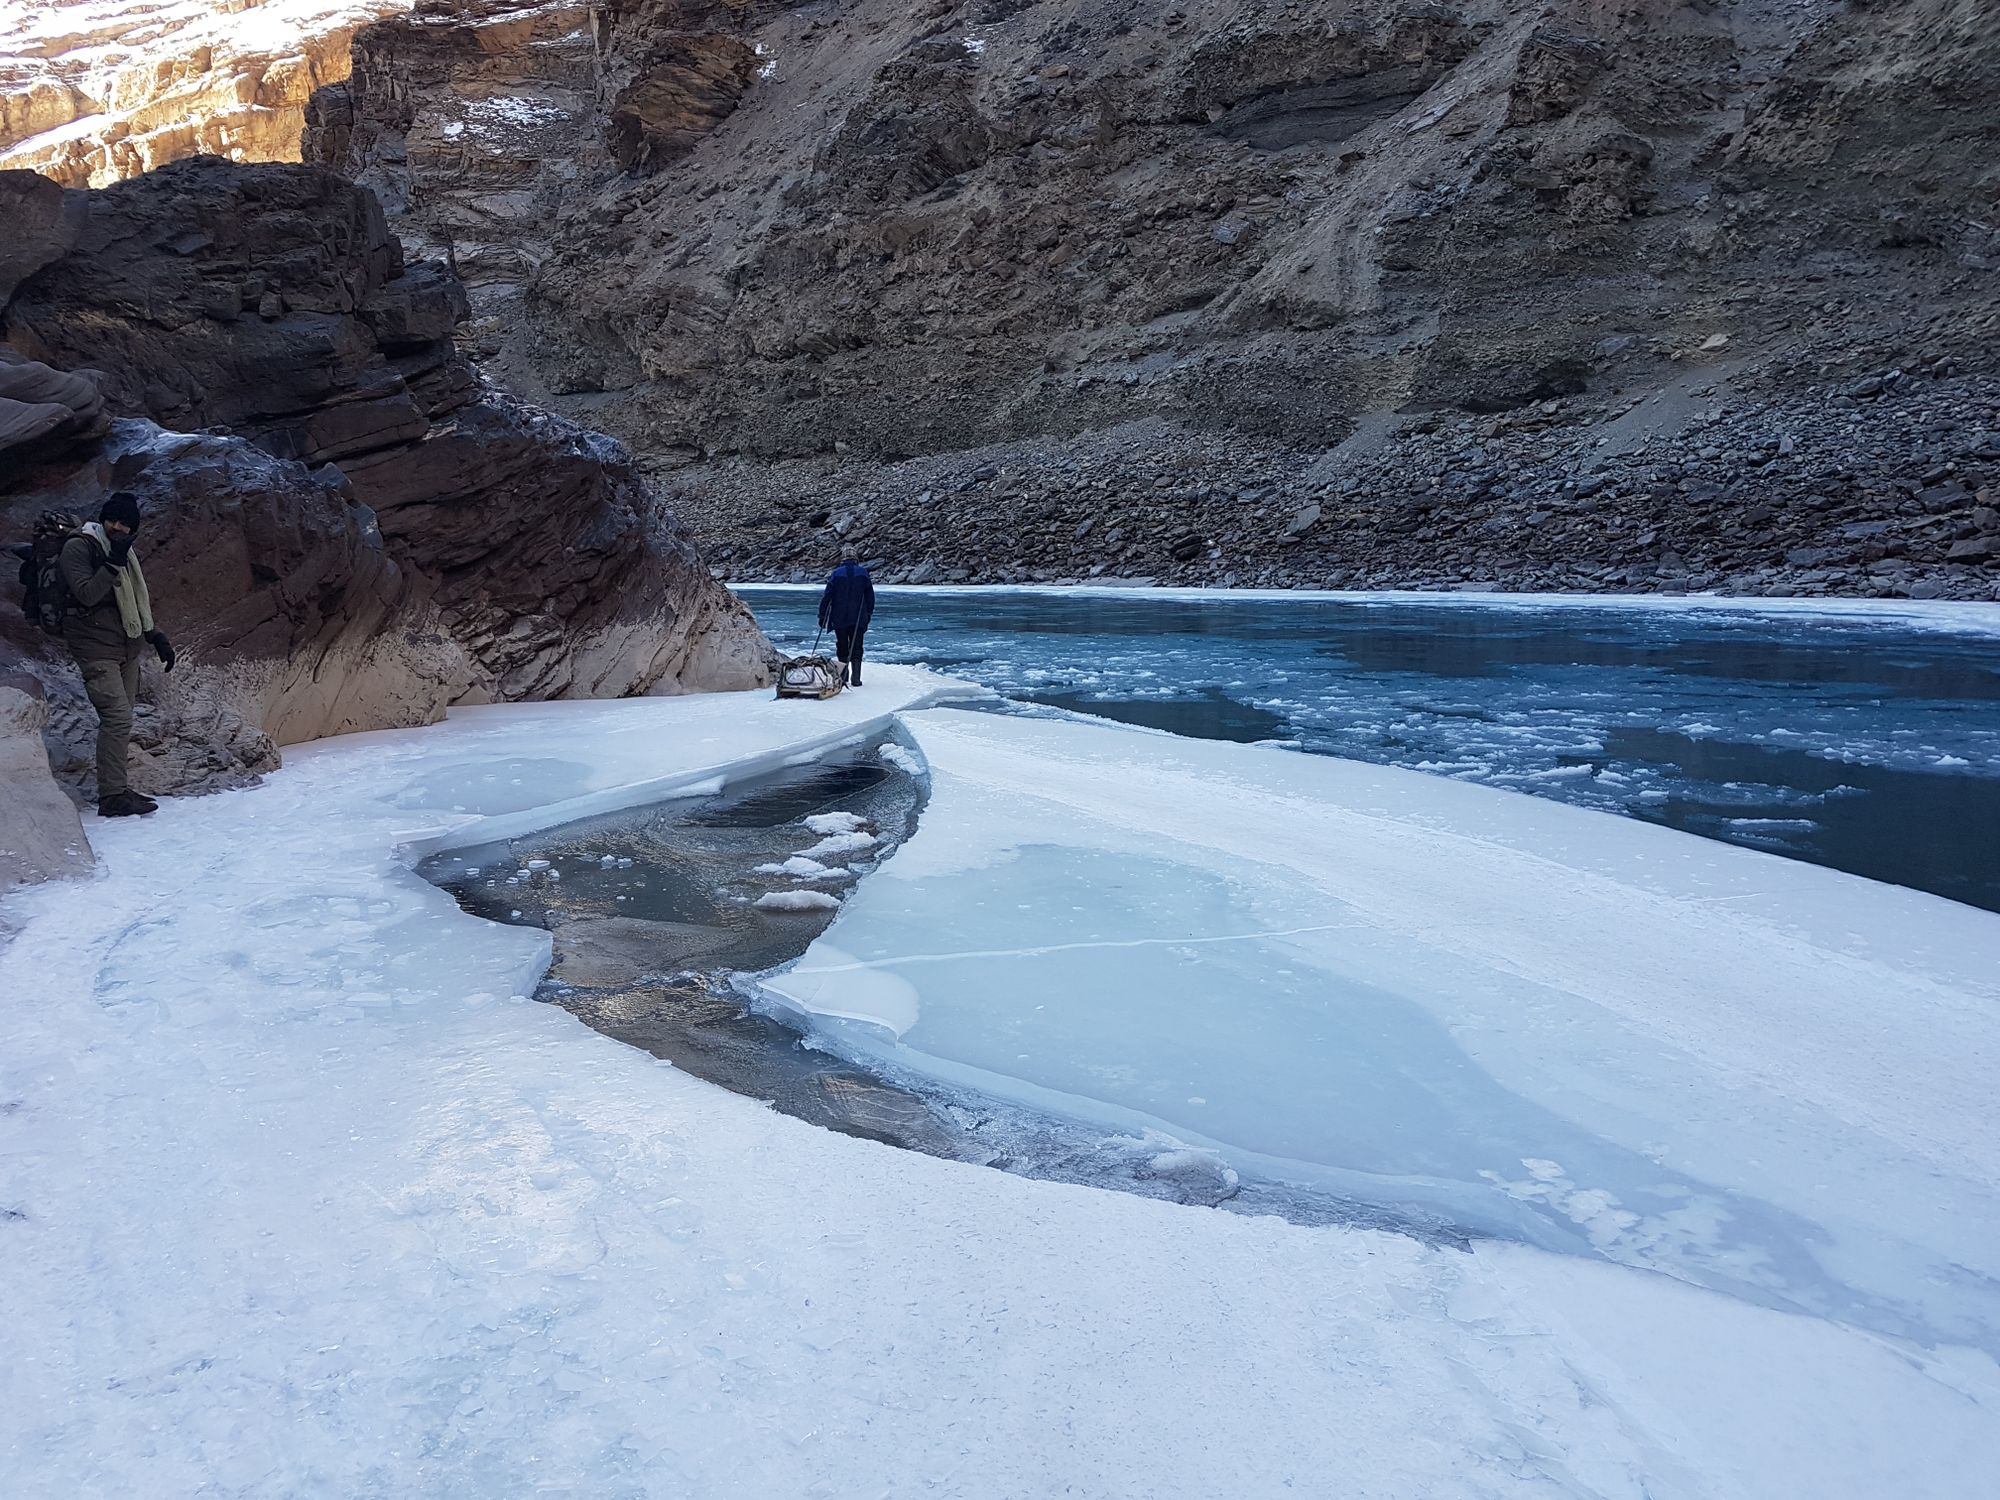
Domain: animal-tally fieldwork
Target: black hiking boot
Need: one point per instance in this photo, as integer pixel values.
(144, 803)
(125, 805)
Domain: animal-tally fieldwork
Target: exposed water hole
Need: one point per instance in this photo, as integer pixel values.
(659, 938)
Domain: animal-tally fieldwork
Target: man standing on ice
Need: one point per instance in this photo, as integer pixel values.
(845, 607)
(107, 614)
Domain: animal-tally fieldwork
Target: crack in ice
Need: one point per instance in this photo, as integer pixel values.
(1040, 949)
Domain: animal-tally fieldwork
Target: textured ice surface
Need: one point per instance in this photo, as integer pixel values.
(298, 1199)
(1549, 1024)
(1868, 735)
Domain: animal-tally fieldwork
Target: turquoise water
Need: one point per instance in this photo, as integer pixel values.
(1871, 746)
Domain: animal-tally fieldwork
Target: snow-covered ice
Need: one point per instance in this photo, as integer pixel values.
(801, 868)
(1550, 1024)
(899, 757)
(299, 1196)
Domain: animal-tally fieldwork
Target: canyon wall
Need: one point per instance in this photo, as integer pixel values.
(916, 229)
(1574, 294)
(1535, 293)
(475, 124)
(94, 91)
(348, 528)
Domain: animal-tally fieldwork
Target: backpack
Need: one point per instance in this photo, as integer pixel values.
(44, 597)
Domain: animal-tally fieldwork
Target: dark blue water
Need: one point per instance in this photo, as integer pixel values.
(1870, 745)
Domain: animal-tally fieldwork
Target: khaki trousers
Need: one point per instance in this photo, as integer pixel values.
(113, 687)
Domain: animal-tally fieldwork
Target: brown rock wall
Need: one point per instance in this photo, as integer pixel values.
(346, 528)
(920, 231)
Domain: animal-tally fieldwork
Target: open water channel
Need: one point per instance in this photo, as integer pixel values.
(1870, 743)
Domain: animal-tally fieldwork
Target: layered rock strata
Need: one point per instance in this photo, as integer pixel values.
(472, 121)
(939, 229)
(1291, 238)
(293, 618)
(94, 91)
(348, 529)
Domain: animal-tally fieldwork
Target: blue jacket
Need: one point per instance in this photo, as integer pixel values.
(849, 600)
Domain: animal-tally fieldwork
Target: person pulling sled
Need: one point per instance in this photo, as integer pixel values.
(846, 606)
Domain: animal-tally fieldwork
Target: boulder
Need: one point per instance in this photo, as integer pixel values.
(44, 410)
(291, 618)
(534, 539)
(41, 225)
(41, 836)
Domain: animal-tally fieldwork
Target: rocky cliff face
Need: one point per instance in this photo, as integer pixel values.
(1556, 293)
(474, 124)
(1284, 258)
(274, 303)
(349, 529)
(94, 91)
(1058, 217)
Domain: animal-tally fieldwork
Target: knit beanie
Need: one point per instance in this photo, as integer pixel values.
(123, 506)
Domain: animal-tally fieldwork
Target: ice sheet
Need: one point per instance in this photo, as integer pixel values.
(1555, 1025)
(298, 1198)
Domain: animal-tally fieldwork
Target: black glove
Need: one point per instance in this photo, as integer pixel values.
(157, 639)
(119, 550)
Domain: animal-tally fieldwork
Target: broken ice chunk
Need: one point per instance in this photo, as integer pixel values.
(797, 901)
(840, 843)
(835, 822)
(801, 868)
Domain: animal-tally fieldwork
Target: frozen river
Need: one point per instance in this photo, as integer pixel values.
(1869, 744)
(300, 1196)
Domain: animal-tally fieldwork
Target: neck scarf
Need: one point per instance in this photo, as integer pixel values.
(135, 604)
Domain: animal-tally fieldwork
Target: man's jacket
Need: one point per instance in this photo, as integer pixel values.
(93, 625)
(849, 600)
